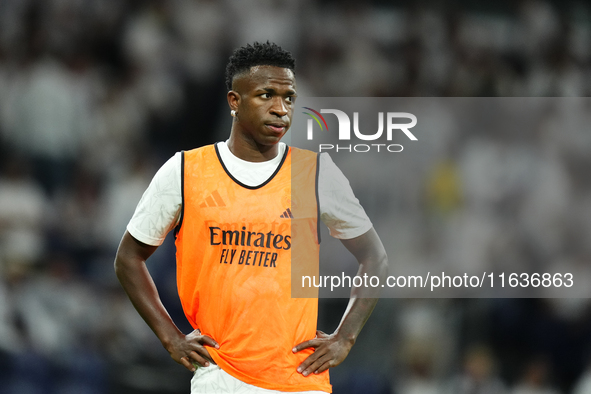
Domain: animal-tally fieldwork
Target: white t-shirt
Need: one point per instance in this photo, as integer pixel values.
(159, 209)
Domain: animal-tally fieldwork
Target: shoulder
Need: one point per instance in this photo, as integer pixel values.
(158, 210)
(301, 151)
(202, 150)
(303, 156)
(171, 166)
(340, 210)
(326, 167)
(168, 177)
(329, 170)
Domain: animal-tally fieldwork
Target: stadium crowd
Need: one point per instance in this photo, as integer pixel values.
(96, 94)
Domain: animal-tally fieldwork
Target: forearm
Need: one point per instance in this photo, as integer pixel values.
(362, 302)
(331, 350)
(133, 275)
(373, 262)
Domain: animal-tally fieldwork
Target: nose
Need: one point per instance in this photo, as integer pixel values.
(279, 108)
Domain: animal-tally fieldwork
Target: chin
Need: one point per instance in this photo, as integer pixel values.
(271, 142)
(272, 139)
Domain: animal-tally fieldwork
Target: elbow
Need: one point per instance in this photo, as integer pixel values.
(124, 257)
(118, 265)
(377, 264)
(122, 263)
(382, 264)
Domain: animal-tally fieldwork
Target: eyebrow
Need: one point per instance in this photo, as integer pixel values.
(290, 92)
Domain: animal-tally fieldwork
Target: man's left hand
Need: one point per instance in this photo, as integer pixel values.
(329, 351)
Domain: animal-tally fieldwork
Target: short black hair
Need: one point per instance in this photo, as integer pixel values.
(257, 54)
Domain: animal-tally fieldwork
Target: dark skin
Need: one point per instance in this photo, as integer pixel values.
(263, 99)
(331, 350)
(130, 267)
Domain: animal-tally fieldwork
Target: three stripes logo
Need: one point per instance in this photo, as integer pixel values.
(287, 214)
(213, 200)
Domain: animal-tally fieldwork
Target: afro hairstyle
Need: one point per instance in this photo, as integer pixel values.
(257, 54)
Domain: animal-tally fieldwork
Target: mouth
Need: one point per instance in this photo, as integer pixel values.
(276, 127)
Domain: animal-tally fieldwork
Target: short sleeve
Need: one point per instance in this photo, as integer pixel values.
(340, 210)
(159, 208)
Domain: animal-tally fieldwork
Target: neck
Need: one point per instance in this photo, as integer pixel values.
(248, 150)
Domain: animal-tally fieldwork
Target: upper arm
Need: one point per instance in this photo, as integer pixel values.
(367, 248)
(159, 209)
(371, 255)
(340, 210)
(131, 250)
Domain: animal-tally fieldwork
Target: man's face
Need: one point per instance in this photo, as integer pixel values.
(263, 100)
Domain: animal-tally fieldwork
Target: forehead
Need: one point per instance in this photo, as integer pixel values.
(260, 76)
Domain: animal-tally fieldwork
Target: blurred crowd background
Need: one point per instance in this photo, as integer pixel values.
(96, 94)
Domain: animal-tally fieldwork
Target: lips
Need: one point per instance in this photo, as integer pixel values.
(276, 127)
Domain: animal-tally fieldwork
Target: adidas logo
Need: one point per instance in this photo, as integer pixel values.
(287, 214)
(213, 200)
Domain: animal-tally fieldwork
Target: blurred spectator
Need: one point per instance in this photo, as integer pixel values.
(583, 384)
(51, 119)
(78, 207)
(23, 216)
(122, 194)
(11, 340)
(120, 119)
(479, 374)
(95, 94)
(202, 27)
(57, 309)
(535, 379)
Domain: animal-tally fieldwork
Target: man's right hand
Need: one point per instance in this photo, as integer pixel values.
(189, 349)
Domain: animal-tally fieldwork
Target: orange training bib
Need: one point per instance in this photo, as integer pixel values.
(234, 257)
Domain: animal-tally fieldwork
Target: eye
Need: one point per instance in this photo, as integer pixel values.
(291, 99)
(266, 95)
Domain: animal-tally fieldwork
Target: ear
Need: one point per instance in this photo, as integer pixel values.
(233, 100)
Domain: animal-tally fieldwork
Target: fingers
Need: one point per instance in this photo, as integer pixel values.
(315, 364)
(205, 340)
(305, 345)
(320, 365)
(201, 359)
(303, 367)
(328, 352)
(196, 337)
(202, 352)
(185, 362)
(323, 367)
(196, 359)
(193, 351)
(317, 341)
